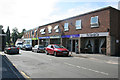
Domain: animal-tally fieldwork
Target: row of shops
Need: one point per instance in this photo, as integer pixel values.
(93, 32)
(90, 43)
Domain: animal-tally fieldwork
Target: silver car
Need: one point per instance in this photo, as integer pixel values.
(38, 48)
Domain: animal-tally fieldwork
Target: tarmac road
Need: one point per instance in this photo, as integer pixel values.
(40, 65)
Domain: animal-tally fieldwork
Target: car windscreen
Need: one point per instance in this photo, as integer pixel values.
(28, 45)
(58, 46)
(19, 43)
(41, 46)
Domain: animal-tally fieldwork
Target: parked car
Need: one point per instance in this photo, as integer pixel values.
(38, 48)
(19, 45)
(27, 47)
(11, 50)
(56, 50)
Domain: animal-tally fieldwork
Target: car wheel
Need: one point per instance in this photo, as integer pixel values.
(32, 50)
(46, 52)
(55, 54)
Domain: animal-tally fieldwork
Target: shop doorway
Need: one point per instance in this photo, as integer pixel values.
(34, 42)
(96, 46)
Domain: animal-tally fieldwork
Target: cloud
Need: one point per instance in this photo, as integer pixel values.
(29, 14)
(25, 13)
(88, 0)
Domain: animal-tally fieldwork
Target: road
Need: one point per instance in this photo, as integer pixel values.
(40, 65)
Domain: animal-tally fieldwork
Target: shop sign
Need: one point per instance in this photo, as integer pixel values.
(27, 39)
(71, 36)
(47, 37)
(34, 38)
(55, 36)
(94, 34)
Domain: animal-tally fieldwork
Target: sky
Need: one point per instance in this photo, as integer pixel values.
(29, 14)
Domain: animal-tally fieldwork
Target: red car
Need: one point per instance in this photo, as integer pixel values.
(56, 50)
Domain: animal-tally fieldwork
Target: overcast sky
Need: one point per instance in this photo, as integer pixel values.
(29, 14)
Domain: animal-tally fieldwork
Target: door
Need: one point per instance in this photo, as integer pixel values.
(52, 50)
(96, 49)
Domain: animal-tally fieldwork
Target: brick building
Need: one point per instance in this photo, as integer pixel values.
(92, 32)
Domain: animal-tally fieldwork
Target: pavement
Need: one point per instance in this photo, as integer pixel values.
(7, 70)
(101, 57)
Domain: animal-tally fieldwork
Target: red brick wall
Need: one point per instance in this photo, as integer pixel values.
(104, 22)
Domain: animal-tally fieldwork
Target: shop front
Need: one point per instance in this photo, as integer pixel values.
(94, 43)
(55, 40)
(28, 41)
(34, 41)
(44, 41)
(71, 42)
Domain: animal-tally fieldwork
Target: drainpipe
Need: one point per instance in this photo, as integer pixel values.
(71, 44)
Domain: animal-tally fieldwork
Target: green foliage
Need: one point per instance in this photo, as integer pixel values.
(8, 35)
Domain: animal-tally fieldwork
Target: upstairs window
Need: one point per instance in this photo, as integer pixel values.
(42, 31)
(49, 29)
(56, 28)
(66, 28)
(78, 24)
(94, 22)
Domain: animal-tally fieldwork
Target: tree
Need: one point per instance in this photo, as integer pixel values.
(21, 34)
(14, 35)
(8, 36)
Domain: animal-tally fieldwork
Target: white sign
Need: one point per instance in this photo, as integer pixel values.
(94, 34)
(55, 36)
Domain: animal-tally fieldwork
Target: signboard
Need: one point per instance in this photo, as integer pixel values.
(55, 36)
(46, 37)
(34, 38)
(94, 34)
(27, 39)
(71, 36)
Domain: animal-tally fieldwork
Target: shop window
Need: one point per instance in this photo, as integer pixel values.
(56, 28)
(94, 22)
(66, 28)
(42, 31)
(78, 24)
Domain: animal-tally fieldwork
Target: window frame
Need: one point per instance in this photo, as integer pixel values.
(78, 26)
(56, 28)
(66, 28)
(96, 23)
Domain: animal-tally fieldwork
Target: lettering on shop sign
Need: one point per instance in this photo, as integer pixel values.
(92, 34)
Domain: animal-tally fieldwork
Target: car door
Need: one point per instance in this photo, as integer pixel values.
(49, 49)
(52, 49)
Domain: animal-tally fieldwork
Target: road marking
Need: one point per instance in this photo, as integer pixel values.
(86, 69)
(25, 75)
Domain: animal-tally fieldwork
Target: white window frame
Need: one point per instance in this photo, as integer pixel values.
(42, 31)
(49, 29)
(66, 26)
(78, 26)
(56, 28)
(95, 24)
